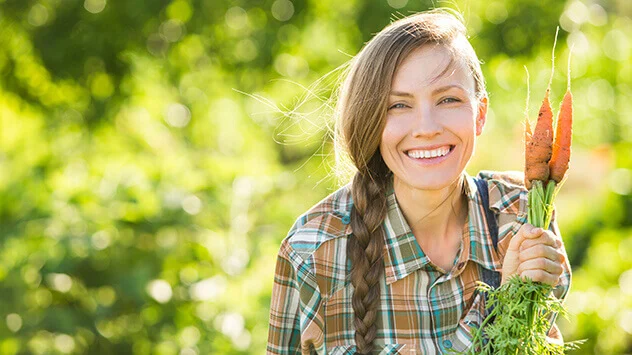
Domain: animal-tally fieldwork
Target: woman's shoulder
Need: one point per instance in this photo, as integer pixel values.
(326, 221)
(507, 191)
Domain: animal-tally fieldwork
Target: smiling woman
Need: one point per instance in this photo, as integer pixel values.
(389, 263)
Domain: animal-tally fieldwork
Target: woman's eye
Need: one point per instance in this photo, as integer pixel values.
(398, 105)
(449, 100)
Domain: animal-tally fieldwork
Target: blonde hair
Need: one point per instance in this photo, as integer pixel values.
(360, 118)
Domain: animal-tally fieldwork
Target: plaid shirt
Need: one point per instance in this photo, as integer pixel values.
(423, 309)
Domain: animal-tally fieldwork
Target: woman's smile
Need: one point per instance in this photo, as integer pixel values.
(428, 157)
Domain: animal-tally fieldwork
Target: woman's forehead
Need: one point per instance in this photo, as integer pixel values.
(432, 65)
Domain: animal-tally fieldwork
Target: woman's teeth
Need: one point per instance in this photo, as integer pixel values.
(418, 154)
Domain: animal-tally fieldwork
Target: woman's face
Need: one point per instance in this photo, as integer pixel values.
(433, 120)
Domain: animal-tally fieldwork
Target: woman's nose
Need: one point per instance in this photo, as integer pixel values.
(425, 124)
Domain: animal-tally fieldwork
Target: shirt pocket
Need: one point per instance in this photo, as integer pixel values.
(388, 349)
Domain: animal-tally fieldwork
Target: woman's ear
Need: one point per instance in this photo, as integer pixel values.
(481, 117)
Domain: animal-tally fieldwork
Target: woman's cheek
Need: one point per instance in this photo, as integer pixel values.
(400, 123)
(393, 129)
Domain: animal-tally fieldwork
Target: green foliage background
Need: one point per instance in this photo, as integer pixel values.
(148, 173)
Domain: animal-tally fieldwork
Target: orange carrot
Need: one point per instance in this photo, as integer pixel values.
(563, 135)
(538, 150)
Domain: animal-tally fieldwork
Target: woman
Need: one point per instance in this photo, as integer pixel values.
(388, 264)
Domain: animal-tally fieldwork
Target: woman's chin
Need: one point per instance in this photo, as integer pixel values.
(427, 183)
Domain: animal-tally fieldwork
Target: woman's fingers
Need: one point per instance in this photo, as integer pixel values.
(541, 264)
(542, 251)
(545, 238)
(530, 231)
(541, 276)
(541, 258)
(526, 232)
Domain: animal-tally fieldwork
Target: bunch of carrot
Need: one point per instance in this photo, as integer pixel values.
(546, 160)
(547, 157)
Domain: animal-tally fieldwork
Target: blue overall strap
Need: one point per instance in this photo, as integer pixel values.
(490, 277)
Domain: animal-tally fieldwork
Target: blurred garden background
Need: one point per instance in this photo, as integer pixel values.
(149, 169)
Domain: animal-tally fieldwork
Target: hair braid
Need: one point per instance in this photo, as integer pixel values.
(366, 247)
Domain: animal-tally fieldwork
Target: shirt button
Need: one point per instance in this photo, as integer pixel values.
(346, 219)
(447, 344)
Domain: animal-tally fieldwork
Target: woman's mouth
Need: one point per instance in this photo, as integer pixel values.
(430, 156)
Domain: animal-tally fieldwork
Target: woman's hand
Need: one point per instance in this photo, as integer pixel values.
(535, 253)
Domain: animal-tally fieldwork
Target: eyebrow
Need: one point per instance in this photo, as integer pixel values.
(401, 93)
(448, 87)
(434, 92)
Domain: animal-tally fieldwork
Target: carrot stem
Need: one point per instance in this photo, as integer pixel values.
(526, 106)
(553, 59)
